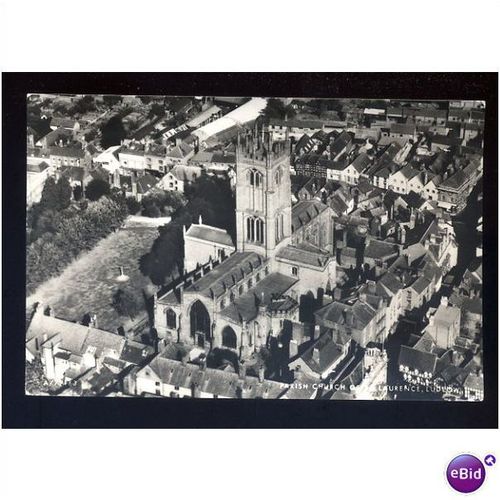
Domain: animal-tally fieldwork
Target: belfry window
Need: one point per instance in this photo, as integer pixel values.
(255, 178)
(278, 176)
(255, 229)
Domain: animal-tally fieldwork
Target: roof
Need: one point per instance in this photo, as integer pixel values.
(377, 249)
(425, 112)
(263, 293)
(305, 211)
(186, 173)
(301, 255)
(403, 128)
(63, 122)
(180, 151)
(390, 282)
(325, 352)
(37, 168)
(340, 143)
(212, 381)
(415, 359)
(210, 233)
(445, 140)
(203, 116)
(52, 136)
(455, 181)
(338, 313)
(145, 183)
(77, 339)
(239, 116)
(446, 315)
(70, 152)
(408, 172)
(361, 162)
(474, 382)
(224, 275)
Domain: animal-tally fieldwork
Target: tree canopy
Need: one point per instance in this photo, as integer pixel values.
(276, 108)
(209, 197)
(125, 303)
(97, 188)
(113, 132)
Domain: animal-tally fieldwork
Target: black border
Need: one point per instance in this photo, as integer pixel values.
(20, 411)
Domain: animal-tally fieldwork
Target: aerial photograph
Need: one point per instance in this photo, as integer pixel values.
(254, 248)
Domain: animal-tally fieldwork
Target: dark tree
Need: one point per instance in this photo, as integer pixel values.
(64, 193)
(133, 205)
(209, 197)
(49, 201)
(151, 210)
(83, 105)
(276, 108)
(125, 304)
(113, 132)
(55, 195)
(156, 110)
(97, 188)
(90, 136)
(112, 100)
(77, 193)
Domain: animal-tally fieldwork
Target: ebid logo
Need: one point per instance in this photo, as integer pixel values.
(466, 473)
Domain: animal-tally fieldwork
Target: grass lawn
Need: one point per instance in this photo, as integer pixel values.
(88, 284)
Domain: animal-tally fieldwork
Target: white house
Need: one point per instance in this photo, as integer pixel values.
(179, 177)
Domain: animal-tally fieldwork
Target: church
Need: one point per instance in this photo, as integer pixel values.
(282, 265)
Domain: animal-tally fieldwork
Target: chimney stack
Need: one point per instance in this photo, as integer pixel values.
(315, 355)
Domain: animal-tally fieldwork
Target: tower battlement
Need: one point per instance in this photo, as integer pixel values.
(259, 149)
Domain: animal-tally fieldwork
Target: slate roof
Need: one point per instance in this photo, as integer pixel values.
(377, 249)
(70, 152)
(305, 211)
(222, 383)
(361, 162)
(265, 292)
(403, 128)
(455, 181)
(180, 151)
(146, 182)
(209, 233)
(416, 359)
(232, 270)
(329, 349)
(340, 143)
(362, 314)
(303, 255)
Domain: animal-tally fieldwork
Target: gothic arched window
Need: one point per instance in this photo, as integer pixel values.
(229, 338)
(255, 229)
(259, 230)
(278, 176)
(258, 179)
(171, 318)
(255, 178)
(250, 229)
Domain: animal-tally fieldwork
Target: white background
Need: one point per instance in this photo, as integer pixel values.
(246, 36)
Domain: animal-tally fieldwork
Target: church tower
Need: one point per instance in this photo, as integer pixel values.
(263, 193)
